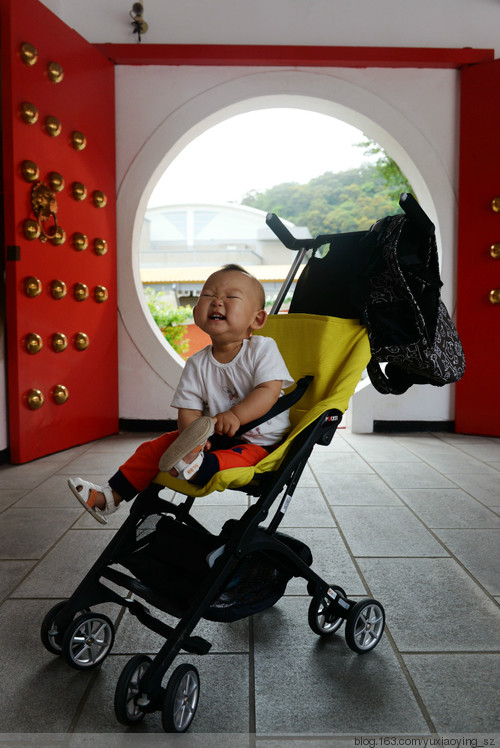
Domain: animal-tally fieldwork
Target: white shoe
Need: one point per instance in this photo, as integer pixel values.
(86, 493)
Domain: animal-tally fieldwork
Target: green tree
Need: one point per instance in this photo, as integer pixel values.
(171, 320)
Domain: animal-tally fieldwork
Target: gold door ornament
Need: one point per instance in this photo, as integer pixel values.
(32, 286)
(58, 289)
(79, 191)
(31, 229)
(81, 341)
(100, 246)
(100, 294)
(495, 251)
(29, 113)
(29, 54)
(33, 343)
(495, 205)
(99, 199)
(59, 342)
(53, 126)
(56, 181)
(44, 205)
(60, 394)
(80, 291)
(30, 171)
(495, 296)
(55, 72)
(35, 399)
(79, 241)
(78, 140)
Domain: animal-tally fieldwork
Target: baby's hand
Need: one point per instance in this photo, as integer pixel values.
(227, 423)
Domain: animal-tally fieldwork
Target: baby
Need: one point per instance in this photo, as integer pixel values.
(226, 385)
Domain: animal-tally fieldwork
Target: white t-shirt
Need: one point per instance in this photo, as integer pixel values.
(212, 387)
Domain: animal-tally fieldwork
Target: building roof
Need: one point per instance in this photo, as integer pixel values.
(199, 274)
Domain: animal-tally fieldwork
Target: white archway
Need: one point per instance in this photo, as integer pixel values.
(245, 92)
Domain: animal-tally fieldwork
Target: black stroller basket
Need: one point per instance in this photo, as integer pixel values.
(162, 557)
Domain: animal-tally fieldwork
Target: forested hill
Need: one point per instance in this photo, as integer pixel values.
(333, 203)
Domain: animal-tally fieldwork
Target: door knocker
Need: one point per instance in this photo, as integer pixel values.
(44, 205)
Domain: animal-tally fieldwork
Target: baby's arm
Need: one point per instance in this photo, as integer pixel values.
(185, 416)
(254, 405)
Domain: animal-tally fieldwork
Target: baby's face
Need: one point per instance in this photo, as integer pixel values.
(229, 306)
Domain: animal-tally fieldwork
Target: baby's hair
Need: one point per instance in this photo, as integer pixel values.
(233, 266)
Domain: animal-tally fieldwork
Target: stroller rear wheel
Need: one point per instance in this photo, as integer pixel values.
(88, 640)
(127, 710)
(181, 699)
(321, 618)
(364, 626)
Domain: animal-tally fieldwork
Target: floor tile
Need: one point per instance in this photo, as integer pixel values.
(359, 489)
(327, 464)
(385, 531)
(11, 573)
(40, 678)
(411, 475)
(445, 507)
(479, 552)
(307, 684)
(307, 509)
(432, 605)
(460, 692)
(29, 533)
(58, 574)
(484, 487)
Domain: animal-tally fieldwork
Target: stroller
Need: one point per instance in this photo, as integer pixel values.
(164, 558)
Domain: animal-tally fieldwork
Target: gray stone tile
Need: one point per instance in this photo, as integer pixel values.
(9, 496)
(411, 475)
(444, 507)
(40, 693)
(213, 517)
(307, 509)
(432, 605)
(385, 531)
(479, 552)
(307, 684)
(332, 463)
(223, 705)
(133, 637)
(53, 492)
(485, 450)
(11, 573)
(103, 463)
(58, 574)
(361, 490)
(484, 487)
(456, 463)
(29, 533)
(28, 475)
(379, 448)
(460, 692)
(331, 561)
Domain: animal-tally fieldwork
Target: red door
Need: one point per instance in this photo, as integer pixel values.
(477, 408)
(59, 233)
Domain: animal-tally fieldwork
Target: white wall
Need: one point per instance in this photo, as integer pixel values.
(411, 113)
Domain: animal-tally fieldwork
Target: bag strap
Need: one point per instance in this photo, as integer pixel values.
(283, 403)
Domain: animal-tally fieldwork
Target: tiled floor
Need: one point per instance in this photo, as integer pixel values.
(412, 520)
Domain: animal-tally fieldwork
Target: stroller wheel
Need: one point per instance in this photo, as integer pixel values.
(181, 699)
(321, 620)
(49, 633)
(364, 626)
(88, 641)
(127, 689)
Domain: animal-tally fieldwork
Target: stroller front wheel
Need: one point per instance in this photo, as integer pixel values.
(181, 699)
(320, 618)
(364, 626)
(127, 690)
(50, 635)
(88, 640)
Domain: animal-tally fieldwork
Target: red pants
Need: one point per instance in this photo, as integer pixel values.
(142, 467)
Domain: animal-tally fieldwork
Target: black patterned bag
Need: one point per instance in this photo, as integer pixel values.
(409, 326)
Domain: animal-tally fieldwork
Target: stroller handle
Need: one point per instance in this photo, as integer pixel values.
(288, 239)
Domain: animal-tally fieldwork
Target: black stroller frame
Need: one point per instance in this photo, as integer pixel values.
(216, 589)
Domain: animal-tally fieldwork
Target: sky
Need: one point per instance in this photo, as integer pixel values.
(255, 151)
